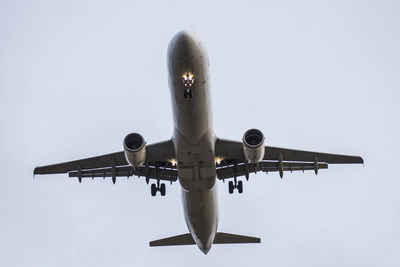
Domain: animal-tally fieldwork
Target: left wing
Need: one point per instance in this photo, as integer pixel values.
(114, 165)
(233, 164)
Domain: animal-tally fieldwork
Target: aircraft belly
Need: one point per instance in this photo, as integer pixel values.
(192, 112)
(194, 138)
(192, 115)
(196, 164)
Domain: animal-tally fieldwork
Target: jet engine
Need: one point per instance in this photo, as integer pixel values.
(253, 145)
(135, 149)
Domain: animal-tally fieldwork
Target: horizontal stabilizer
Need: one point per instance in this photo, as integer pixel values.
(185, 239)
(220, 238)
(224, 238)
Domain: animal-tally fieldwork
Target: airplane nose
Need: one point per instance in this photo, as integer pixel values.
(183, 37)
(183, 44)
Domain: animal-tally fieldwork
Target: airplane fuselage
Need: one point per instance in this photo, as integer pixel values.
(194, 138)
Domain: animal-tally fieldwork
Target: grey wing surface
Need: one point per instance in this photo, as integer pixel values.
(276, 159)
(158, 166)
(272, 153)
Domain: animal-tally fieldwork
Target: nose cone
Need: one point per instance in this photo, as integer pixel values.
(184, 36)
(184, 43)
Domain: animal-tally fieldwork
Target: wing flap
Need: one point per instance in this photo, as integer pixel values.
(163, 173)
(238, 170)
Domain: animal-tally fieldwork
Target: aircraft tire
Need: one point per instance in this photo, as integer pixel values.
(162, 189)
(153, 190)
(230, 187)
(240, 187)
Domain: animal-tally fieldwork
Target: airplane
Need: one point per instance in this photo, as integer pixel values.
(194, 155)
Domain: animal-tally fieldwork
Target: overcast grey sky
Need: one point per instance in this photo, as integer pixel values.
(77, 76)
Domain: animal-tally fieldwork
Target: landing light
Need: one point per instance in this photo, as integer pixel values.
(218, 161)
(173, 162)
(188, 79)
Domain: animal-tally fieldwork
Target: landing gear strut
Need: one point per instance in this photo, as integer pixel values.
(159, 188)
(237, 185)
(187, 93)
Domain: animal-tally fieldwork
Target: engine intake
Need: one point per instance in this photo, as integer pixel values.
(253, 145)
(135, 149)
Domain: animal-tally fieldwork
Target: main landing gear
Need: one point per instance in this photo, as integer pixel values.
(159, 188)
(237, 185)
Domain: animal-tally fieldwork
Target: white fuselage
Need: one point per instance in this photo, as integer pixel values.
(194, 138)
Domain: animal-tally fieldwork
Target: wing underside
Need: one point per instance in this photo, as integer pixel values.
(157, 166)
(161, 172)
(243, 169)
(232, 162)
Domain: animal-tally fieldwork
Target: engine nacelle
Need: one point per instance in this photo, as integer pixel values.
(135, 149)
(253, 145)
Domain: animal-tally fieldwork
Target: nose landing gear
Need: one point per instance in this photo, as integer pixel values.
(188, 80)
(187, 93)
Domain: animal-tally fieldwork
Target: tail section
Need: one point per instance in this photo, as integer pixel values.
(220, 238)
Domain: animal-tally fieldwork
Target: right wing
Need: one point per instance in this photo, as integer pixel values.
(158, 165)
(276, 159)
(272, 153)
(243, 169)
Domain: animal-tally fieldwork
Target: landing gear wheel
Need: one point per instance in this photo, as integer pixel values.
(240, 187)
(231, 187)
(153, 190)
(162, 189)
